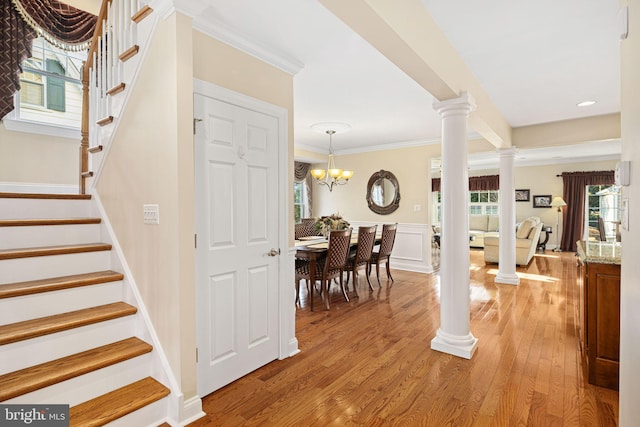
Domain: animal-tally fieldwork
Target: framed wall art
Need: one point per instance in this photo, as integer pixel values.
(541, 201)
(522, 195)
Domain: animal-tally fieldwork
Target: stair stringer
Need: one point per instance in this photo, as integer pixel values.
(119, 102)
(179, 412)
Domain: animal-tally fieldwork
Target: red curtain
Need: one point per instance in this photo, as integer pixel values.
(574, 193)
(21, 21)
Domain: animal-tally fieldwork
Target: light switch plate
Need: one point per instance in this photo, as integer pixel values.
(151, 214)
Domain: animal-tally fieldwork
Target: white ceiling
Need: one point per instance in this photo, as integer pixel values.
(536, 60)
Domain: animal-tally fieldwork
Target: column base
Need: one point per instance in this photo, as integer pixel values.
(461, 346)
(507, 278)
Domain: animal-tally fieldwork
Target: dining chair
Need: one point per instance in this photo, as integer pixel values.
(328, 267)
(305, 228)
(383, 254)
(362, 255)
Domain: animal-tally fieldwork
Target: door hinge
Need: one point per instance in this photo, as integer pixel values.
(195, 120)
(195, 241)
(196, 354)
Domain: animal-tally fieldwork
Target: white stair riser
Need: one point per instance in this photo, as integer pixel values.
(88, 386)
(35, 268)
(34, 306)
(151, 415)
(49, 235)
(22, 354)
(44, 208)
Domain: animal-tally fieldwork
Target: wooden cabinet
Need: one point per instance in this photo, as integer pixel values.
(599, 321)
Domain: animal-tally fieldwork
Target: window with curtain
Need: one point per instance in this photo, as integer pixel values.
(574, 191)
(301, 191)
(483, 195)
(21, 21)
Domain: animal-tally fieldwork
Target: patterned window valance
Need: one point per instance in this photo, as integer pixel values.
(61, 25)
(476, 183)
(301, 170)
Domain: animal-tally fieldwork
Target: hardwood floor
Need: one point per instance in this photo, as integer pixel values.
(369, 362)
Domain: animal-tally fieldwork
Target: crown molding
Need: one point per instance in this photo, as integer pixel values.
(217, 30)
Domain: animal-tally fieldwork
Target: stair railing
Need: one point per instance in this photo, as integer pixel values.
(102, 74)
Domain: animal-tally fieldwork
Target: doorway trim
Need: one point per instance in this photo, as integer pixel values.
(288, 343)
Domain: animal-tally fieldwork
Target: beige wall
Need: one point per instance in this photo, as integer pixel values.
(151, 161)
(568, 132)
(409, 165)
(630, 286)
(33, 158)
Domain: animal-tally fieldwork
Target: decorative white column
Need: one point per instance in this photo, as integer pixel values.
(453, 336)
(507, 240)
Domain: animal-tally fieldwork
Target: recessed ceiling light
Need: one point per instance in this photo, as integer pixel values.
(585, 103)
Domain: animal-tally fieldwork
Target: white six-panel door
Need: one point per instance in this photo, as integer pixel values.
(237, 208)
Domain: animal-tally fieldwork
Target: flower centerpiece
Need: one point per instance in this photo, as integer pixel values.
(325, 224)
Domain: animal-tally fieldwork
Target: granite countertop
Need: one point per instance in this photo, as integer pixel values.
(599, 252)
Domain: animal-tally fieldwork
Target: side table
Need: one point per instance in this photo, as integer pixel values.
(547, 232)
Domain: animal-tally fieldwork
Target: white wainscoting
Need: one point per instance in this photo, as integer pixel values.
(412, 247)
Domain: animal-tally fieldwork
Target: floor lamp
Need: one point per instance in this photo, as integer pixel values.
(558, 203)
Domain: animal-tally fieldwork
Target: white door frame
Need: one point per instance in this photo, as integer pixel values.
(288, 343)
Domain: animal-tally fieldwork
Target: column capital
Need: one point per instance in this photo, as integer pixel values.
(507, 152)
(464, 103)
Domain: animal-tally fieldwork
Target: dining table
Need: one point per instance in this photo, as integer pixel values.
(313, 248)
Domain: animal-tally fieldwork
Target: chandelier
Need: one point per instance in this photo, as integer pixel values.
(332, 175)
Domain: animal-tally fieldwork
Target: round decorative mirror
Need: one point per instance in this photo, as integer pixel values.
(383, 193)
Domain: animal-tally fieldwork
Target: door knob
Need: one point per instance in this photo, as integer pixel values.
(273, 252)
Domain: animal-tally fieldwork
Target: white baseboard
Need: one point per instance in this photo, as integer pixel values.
(33, 187)
(191, 411)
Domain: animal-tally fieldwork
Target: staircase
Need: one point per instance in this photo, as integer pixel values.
(121, 37)
(70, 330)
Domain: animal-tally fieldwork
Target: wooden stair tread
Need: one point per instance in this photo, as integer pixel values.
(33, 328)
(117, 403)
(141, 14)
(45, 374)
(45, 196)
(53, 250)
(47, 221)
(96, 149)
(105, 121)
(58, 283)
(116, 89)
(129, 53)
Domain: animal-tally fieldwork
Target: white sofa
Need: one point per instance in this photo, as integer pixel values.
(527, 237)
(482, 226)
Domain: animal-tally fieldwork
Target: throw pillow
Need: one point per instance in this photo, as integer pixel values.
(524, 229)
